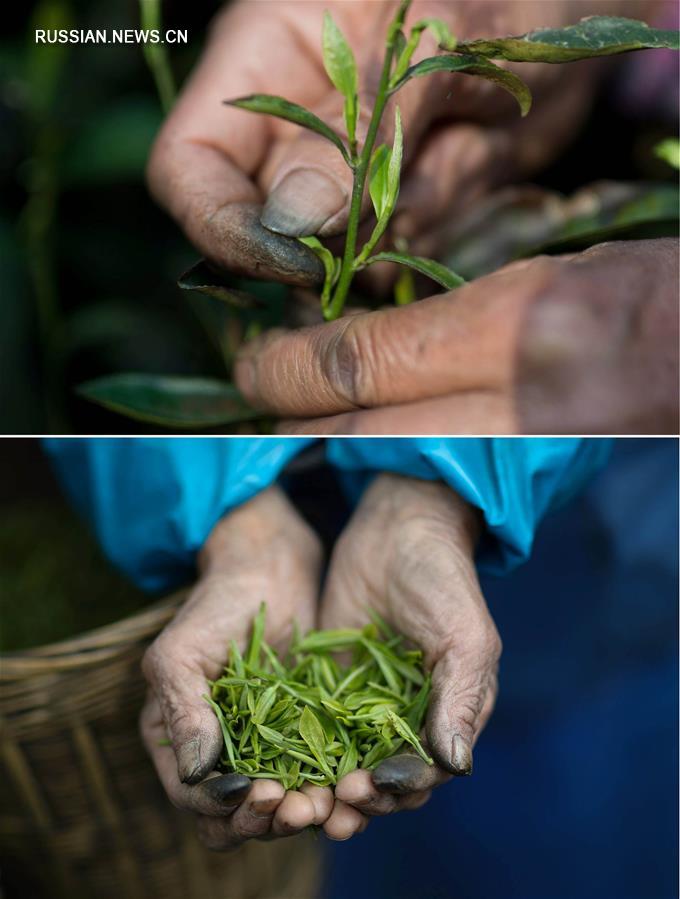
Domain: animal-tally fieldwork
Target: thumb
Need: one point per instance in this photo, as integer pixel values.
(464, 689)
(308, 181)
(179, 684)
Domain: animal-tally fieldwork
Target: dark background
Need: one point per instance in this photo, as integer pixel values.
(88, 264)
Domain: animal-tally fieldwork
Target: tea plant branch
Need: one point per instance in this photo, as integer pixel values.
(347, 269)
(156, 55)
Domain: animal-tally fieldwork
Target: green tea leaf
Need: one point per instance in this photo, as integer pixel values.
(377, 184)
(349, 761)
(441, 31)
(593, 36)
(264, 704)
(236, 659)
(225, 730)
(284, 109)
(405, 732)
(385, 189)
(204, 279)
(334, 640)
(330, 265)
(434, 270)
(312, 733)
(416, 711)
(341, 67)
(669, 151)
(472, 65)
(253, 654)
(170, 400)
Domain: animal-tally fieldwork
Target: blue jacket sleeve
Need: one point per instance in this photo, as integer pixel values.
(152, 502)
(514, 481)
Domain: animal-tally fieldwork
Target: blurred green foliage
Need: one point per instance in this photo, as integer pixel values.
(88, 264)
(55, 582)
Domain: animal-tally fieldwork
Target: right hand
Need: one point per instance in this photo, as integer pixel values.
(212, 166)
(262, 550)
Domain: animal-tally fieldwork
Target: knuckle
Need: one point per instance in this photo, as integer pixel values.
(352, 361)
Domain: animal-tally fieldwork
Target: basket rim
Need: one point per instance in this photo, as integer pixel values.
(93, 646)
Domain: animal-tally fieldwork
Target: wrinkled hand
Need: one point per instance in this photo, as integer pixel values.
(408, 554)
(584, 343)
(213, 166)
(261, 551)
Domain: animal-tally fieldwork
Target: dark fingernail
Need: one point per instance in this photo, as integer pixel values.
(229, 789)
(401, 774)
(302, 203)
(263, 808)
(189, 767)
(461, 756)
(247, 247)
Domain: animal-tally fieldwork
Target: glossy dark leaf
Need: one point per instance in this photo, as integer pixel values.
(472, 65)
(593, 36)
(170, 401)
(204, 279)
(291, 112)
(434, 270)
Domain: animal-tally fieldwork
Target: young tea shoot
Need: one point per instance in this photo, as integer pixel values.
(306, 717)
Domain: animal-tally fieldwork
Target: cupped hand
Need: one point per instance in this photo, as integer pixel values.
(262, 551)
(408, 553)
(581, 343)
(213, 166)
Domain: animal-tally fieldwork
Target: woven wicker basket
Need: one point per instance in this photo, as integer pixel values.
(83, 813)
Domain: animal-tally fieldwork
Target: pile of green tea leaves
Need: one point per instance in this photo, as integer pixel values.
(305, 717)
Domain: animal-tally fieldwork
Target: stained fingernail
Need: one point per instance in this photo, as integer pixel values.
(189, 767)
(229, 789)
(302, 203)
(399, 774)
(461, 756)
(263, 808)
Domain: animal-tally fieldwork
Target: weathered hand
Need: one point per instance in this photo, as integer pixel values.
(261, 551)
(213, 166)
(408, 554)
(585, 343)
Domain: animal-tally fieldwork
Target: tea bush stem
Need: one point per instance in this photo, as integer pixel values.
(335, 307)
(156, 54)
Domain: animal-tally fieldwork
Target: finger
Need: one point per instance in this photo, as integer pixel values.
(322, 800)
(450, 342)
(344, 822)
(294, 814)
(463, 686)
(414, 801)
(406, 774)
(386, 795)
(357, 790)
(473, 412)
(200, 166)
(253, 818)
(178, 683)
(216, 796)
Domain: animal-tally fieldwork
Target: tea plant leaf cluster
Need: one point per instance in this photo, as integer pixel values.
(307, 718)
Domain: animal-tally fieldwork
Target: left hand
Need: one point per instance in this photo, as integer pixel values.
(581, 343)
(408, 553)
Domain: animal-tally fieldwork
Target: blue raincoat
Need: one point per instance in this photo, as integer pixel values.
(153, 501)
